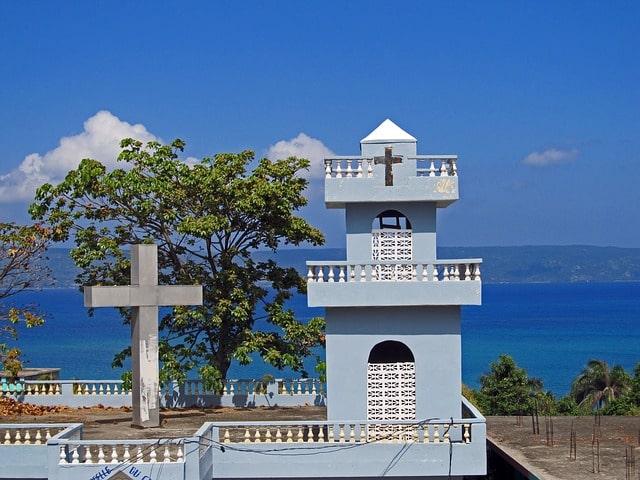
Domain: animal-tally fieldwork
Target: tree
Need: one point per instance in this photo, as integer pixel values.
(22, 251)
(207, 219)
(597, 385)
(507, 389)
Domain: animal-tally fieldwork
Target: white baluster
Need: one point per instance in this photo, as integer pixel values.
(7, 438)
(352, 433)
(456, 273)
(341, 274)
(352, 273)
(359, 170)
(443, 169)
(432, 169)
(310, 274)
(108, 389)
(126, 456)
(57, 389)
(38, 438)
(320, 434)
(153, 455)
(114, 454)
(467, 432)
(227, 438)
(100, 390)
(47, 435)
(93, 389)
(267, 436)
(320, 275)
(445, 274)
(62, 456)
(341, 434)
(27, 438)
(278, 435)
(87, 455)
(17, 439)
(369, 168)
(247, 436)
(331, 275)
(363, 273)
(436, 434)
(476, 273)
(349, 172)
(75, 456)
(424, 276)
(289, 436)
(257, 438)
(167, 456)
(467, 272)
(179, 455)
(139, 455)
(454, 167)
(310, 434)
(339, 169)
(300, 436)
(100, 454)
(327, 168)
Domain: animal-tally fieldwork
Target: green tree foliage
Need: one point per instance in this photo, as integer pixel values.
(207, 219)
(598, 385)
(507, 389)
(22, 249)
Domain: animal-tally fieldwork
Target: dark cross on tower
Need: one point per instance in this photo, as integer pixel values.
(388, 161)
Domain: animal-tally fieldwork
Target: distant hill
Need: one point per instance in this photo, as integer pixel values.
(547, 264)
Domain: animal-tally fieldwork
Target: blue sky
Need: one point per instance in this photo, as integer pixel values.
(496, 83)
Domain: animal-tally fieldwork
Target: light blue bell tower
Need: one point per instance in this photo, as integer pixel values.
(392, 307)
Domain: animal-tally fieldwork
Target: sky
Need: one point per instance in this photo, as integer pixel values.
(540, 100)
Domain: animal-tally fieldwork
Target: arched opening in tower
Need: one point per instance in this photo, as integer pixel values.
(392, 241)
(391, 390)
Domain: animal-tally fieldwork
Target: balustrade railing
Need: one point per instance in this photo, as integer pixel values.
(362, 167)
(394, 271)
(62, 387)
(437, 431)
(15, 434)
(129, 451)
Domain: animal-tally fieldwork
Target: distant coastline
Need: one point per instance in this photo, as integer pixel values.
(521, 264)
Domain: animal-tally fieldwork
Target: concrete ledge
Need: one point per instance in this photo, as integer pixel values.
(442, 190)
(393, 294)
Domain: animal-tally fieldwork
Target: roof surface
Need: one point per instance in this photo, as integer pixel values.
(388, 132)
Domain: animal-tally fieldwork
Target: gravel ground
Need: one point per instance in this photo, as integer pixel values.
(115, 424)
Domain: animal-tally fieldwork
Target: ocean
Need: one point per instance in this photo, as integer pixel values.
(551, 330)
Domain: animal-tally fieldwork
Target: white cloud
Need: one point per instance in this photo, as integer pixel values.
(551, 156)
(99, 140)
(303, 146)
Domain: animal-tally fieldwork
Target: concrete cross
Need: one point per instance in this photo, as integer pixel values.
(144, 296)
(388, 161)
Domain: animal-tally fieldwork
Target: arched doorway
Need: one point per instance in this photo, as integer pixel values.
(391, 239)
(391, 388)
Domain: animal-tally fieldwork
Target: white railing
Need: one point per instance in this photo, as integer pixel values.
(128, 451)
(395, 431)
(362, 167)
(74, 387)
(192, 393)
(394, 271)
(27, 434)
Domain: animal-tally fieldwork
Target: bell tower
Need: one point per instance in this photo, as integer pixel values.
(392, 307)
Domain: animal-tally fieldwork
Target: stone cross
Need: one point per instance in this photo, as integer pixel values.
(388, 161)
(144, 296)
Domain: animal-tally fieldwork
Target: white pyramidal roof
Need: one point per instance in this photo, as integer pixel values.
(388, 132)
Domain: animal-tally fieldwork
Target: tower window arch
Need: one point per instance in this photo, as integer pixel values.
(391, 388)
(392, 240)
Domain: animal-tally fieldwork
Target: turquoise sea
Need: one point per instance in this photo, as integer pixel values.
(550, 329)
